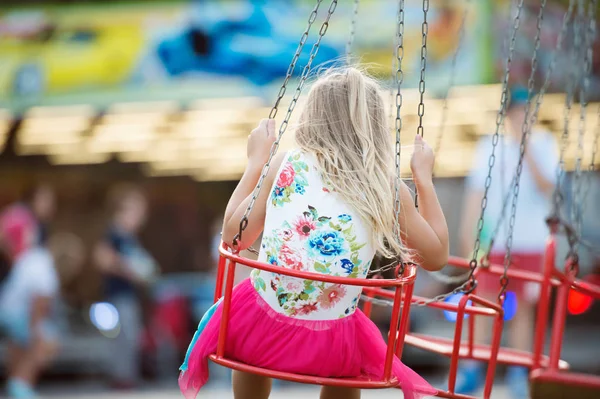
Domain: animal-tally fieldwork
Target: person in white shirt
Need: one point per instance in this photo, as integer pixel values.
(26, 311)
(530, 229)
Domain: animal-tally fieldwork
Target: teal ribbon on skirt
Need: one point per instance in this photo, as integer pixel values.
(201, 326)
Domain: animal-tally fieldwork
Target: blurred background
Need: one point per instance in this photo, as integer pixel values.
(123, 124)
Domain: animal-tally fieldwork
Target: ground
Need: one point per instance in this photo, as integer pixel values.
(93, 391)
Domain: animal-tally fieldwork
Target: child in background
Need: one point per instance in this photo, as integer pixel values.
(529, 235)
(27, 300)
(128, 271)
(23, 225)
(329, 209)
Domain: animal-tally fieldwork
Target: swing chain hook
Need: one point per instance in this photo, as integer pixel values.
(283, 127)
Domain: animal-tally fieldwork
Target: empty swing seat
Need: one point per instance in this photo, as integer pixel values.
(444, 346)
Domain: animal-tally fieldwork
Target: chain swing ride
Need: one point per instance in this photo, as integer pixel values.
(398, 292)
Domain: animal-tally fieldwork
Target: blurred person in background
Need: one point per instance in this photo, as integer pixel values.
(128, 271)
(27, 309)
(530, 231)
(24, 225)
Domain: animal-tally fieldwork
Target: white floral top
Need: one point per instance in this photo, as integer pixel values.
(308, 227)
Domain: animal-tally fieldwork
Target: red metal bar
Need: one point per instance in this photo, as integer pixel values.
(306, 379)
(498, 270)
(368, 306)
(586, 288)
(448, 395)
(389, 357)
(436, 305)
(471, 334)
(541, 324)
(494, 350)
(361, 282)
(558, 325)
(496, 308)
(220, 276)
(226, 307)
(460, 317)
(404, 320)
(572, 379)
(444, 347)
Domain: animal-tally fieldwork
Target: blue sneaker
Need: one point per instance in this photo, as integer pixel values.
(18, 389)
(517, 379)
(470, 379)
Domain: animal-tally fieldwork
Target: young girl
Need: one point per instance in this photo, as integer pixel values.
(329, 209)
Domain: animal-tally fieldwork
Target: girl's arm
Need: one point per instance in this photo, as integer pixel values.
(426, 232)
(259, 145)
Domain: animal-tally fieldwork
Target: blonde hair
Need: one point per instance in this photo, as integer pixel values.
(344, 125)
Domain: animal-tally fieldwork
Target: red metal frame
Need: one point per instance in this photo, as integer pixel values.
(399, 289)
(493, 353)
(553, 373)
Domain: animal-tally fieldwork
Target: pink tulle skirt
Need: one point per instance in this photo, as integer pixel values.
(259, 336)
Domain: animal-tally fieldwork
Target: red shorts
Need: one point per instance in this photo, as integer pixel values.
(490, 283)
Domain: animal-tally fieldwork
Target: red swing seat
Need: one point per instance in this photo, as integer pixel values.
(400, 290)
(401, 294)
(471, 350)
(457, 349)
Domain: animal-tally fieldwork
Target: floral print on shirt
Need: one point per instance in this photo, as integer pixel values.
(292, 180)
(312, 242)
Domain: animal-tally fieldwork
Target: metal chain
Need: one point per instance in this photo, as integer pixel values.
(451, 83)
(539, 100)
(292, 66)
(307, 68)
(419, 303)
(421, 108)
(352, 31)
(526, 130)
(592, 166)
(398, 79)
(377, 301)
(424, 33)
(583, 83)
(471, 283)
(580, 194)
(558, 196)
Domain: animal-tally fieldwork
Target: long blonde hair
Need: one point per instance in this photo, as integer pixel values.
(344, 125)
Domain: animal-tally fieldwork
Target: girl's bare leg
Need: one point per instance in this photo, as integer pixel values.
(250, 386)
(339, 393)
